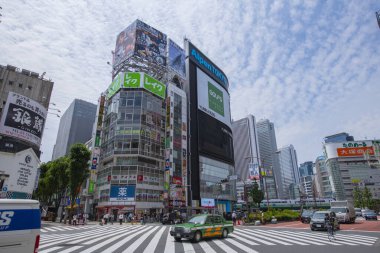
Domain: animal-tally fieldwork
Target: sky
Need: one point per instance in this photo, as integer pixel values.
(310, 67)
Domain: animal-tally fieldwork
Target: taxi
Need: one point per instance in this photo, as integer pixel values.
(202, 226)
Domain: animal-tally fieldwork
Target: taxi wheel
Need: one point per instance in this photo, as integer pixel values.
(197, 236)
(224, 233)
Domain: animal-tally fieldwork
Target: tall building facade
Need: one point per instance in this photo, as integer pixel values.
(267, 149)
(306, 169)
(246, 153)
(24, 101)
(323, 178)
(211, 159)
(289, 171)
(353, 163)
(75, 126)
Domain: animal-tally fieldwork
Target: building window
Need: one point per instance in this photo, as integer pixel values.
(29, 87)
(10, 82)
(20, 85)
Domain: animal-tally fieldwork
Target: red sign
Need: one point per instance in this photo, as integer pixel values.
(140, 178)
(177, 180)
(357, 151)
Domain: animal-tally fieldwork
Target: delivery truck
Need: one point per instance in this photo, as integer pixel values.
(20, 224)
(344, 210)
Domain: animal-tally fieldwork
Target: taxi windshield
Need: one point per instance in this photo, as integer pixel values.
(197, 220)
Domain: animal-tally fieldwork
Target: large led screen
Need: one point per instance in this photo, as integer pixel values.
(214, 138)
(213, 99)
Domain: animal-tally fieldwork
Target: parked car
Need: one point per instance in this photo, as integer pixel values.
(358, 212)
(318, 221)
(202, 226)
(369, 215)
(306, 216)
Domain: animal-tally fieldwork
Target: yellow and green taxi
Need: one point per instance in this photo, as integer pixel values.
(202, 226)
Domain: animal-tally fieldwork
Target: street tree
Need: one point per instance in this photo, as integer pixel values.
(79, 157)
(44, 190)
(367, 197)
(256, 194)
(358, 197)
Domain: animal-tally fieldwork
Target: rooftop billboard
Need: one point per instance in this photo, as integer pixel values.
(23, 118)
(177, 59)
(150, 43)
(125, 44)
(348, 149)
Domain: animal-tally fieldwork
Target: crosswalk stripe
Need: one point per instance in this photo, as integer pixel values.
(341, 239)
(169, 246)
(356, 238)
(49, 250)
(187, 247)
(249, 233)
(224, 246)
(70, 249)
(55, 241)
(99, 236)
(153, 243)
(59, 229)
(240, 246)
(309, 236)
(117, 245)
(69, 236)
(137, 243)
(324, 237)
(291, 239)
(246, 241)
(362, 237)
(43, 230)
(286, 235)
(267, 235)
(206, 247)
(50, 229)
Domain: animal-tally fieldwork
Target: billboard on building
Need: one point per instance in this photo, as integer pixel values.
(177, 59)
(19, 170)
(207, 202)
(125, 44)
(136, 80)
(150, 43)
(122, 192)
(348, 149)
(23, 118)
(213, 99)
(253, 171)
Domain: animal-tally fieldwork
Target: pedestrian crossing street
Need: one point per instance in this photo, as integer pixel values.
(156, 239)
(62, 228)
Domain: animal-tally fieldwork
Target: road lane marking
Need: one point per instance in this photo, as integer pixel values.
(153, 243)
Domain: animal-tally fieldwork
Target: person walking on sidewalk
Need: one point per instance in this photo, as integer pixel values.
(121, 217)
(234, 218)
(74, 219)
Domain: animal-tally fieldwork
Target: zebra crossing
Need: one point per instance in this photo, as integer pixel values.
(154, 239)
(48, 229)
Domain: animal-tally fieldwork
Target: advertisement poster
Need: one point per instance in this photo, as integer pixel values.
(177, 59)
(208, 202)
(23, 118)
(122, 193)
(253, 169)
(125, 44)
(19, 171)
(150, 43)
(213, 99)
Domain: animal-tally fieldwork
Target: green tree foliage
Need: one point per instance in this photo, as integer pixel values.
(358, 197)
(367, 197)
(256, 194)
(45, 191)
(78, 169)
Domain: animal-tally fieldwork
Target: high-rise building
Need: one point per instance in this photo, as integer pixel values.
(211, 159)
(341, 137)
(306, 169)
(24, 101)
(267, 149)
(246, 153)
(75, 126)
(351, 164)
(322, 178)
(289, 171)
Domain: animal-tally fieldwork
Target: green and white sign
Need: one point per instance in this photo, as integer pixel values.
(154, 86)
(136, 80)
(114, 87)
(132, 80)
(213, 99)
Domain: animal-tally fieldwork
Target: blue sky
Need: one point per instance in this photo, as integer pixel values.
(311, 67)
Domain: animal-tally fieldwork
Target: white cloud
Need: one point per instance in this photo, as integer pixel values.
(308, 66)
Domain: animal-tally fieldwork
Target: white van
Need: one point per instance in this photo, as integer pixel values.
(20, 223)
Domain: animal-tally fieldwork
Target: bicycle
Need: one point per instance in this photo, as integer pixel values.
(330, 232)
